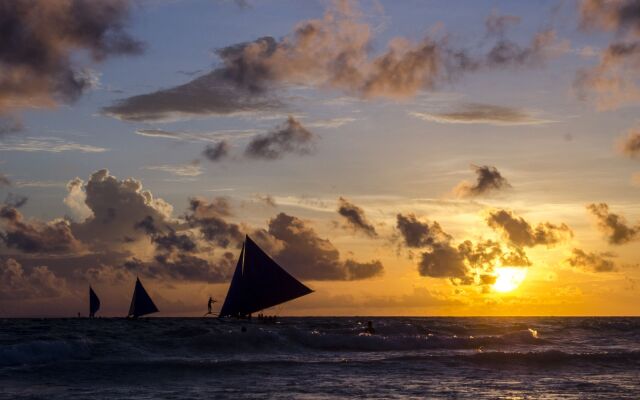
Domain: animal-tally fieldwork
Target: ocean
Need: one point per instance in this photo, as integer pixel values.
(321, 358)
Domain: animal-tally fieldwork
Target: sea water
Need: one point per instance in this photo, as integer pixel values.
(321, 358)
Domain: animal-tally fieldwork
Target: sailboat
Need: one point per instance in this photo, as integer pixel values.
(258, 283)
(141, 303)
(94, 303)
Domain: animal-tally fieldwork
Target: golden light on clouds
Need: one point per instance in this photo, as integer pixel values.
(509, 278)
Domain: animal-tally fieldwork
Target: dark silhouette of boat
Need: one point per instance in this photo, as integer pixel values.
(141, 303)
(258, 283)
(94, 303)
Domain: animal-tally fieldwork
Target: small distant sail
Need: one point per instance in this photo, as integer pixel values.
(141, 303)
(94, 303)
(258, 283)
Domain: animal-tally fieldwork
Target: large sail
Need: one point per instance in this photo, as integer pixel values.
(141, 303)
(94, 303)
(258, 283)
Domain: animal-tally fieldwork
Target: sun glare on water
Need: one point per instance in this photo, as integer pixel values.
(509, 278)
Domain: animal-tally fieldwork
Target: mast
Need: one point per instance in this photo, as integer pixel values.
(258, 283)
(94, 303)
(141, 303)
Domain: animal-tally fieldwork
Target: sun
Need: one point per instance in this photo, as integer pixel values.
(508, 278)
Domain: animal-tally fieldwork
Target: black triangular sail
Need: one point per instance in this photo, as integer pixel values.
(141, 303)
(258, 283)
(94, 303)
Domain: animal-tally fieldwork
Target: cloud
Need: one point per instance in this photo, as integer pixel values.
(178, 169)
(4, 181)
(355, 218)
(55, 237)
(616, 228)
(210, 94)
(215, 136)
(630, 144)
(40, 39)
(185, 267)
(208, 217)
(116, 205)
(464, 264)
(216, 152)
(266, 199)
(489, 180)
(15, 200)
(334, 51)
(521, 233)
(76, 198)
(307, 256)
(444, 261)
(40, 283)
(469, 263)
(331, 123)
(291, 137)
(497, 24)
(614, 80)
(49, 145)
(10, 124)
(596, 262)
(418, 234)
(477, 113)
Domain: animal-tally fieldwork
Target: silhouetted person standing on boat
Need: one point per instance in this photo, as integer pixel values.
(210, 304)
(369, 329)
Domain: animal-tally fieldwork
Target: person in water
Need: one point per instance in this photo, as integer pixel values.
(369, 329)
(210, 304)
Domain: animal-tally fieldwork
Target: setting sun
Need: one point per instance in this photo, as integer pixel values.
(509, 278)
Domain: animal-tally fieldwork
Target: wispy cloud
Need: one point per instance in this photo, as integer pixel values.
(39, 184)
(48, 144)
(331, 122)
(177, 169)
(478, 113)
(215, 136)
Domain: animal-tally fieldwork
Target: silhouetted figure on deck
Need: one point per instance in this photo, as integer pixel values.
(210, 304)
(369, 329)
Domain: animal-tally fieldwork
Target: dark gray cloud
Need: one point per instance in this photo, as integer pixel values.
(9, 123)
(507, 53)
(595, 262)
(38, 283)
(496, 24)
(53, 237)
(489, 180)
(211, 93)
(334, 51)
(519, 232)
(308, 256)
(478, 113)
(444, 261)
(417, 234)
(216, 152)
(291, 137)
(630, 144)
(38, 42)
(15, 200)
(4, 181)
(464, 264)
(184, 267)
(614, 226)
(208, 217)
(614, 80)
(355, 217)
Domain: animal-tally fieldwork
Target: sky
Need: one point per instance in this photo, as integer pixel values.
(425, 158)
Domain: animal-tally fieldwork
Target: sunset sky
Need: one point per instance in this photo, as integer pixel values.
(400, 158)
